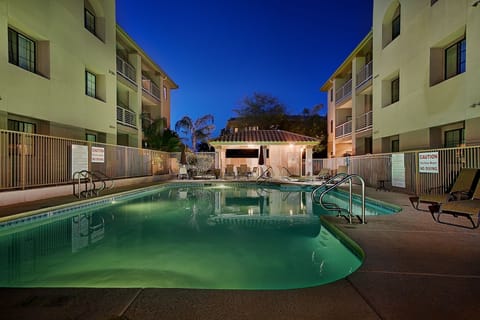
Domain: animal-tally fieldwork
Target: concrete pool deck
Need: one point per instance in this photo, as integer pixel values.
(414, 268)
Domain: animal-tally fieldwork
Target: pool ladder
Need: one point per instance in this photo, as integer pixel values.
(331, 184)
(266, 175)
(90, 181)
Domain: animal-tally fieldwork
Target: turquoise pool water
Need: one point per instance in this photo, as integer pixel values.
(178, 236)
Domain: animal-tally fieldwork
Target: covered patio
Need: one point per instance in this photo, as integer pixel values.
(258, 150)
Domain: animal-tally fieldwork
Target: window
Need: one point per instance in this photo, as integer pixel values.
(91, 137)
(395, 147)
(21, 126)
(454, 138)
(331, 95)
(90, 21)
(455, 57)
(21, 50)
(396, 25)
(331, 126)
(395, 87)
(90, 84)
(165, 93)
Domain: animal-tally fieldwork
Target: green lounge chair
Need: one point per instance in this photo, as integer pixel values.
(461, 208)
(461, 189)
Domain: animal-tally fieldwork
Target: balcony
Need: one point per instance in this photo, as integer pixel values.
(364, 122)
(126, 70)
(150, 87)
(343, 93)
(365, 74)
(126, 117)
(344, 129)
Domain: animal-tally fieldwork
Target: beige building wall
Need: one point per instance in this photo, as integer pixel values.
(54, 97)
(348, 132)
(429, 105)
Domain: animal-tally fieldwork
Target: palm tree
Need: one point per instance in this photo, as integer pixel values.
(158, 137)
(200, 130)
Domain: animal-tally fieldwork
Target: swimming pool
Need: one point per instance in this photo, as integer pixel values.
(178, 236)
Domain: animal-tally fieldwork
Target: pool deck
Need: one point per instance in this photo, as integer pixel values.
(415, 268)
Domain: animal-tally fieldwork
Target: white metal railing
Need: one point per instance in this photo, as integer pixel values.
(364, 74)
(32, 160)
(126, 117)
(375, 167)
(364, 121)
(344, 92)
(150, 87)
(126, 70)
(343, 129)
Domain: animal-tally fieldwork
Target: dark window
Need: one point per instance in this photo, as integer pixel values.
(455, 57)
(396, 26)
(90, 21)
(368, 145)
(21, 50)
(395, 90)
(241, 153)
(331, 95)
(395, 145)
(331, 126)
(454, 138)
(91, 137)
(21, 126)
(90, 84)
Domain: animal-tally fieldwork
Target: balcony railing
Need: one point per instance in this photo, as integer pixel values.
(151, 88)
(126, 117)
(365, 121)
(344, 129)
(344, 92)
(364, 74)
(126, 70)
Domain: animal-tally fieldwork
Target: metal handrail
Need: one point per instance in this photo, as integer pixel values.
(265, 175)
(348, 178)
(89, 178)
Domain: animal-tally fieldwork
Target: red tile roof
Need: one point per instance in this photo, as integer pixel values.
(263, 137)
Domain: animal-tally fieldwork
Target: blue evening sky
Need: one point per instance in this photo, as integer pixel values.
(220, 51)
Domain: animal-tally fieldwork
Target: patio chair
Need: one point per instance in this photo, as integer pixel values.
(461, 189)
(229, 171)
(243, 171)
(460, 208)
(182, 173)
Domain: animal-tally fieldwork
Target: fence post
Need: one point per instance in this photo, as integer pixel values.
(417, 174)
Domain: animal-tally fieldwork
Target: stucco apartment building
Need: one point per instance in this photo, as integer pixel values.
(424, 85)
(68, 70)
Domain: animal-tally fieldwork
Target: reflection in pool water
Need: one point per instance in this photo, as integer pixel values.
(181, 237)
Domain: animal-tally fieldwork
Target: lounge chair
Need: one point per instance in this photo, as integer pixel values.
(461, 189)
(324, 174)
(342, 169)
(289, 176)
(462, 208)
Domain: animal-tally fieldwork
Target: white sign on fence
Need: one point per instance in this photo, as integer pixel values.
(398, 170)
(79, 158)
(428, 162)
(98, 154)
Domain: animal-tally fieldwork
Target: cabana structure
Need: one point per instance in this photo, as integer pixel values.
(279, 149)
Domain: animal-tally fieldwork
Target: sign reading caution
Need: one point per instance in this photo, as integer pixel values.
(428, 162)
(98, 155)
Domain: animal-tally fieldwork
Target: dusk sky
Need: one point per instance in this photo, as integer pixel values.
(220, 51)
